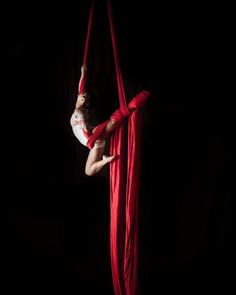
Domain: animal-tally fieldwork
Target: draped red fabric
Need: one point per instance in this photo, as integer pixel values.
(124, 188)
(124, 251)
(117, 211)
(117, 183)
(132, 198)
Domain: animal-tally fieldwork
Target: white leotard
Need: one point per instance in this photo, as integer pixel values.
(79, 129)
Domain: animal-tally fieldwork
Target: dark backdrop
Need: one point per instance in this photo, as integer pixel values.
(57, 217)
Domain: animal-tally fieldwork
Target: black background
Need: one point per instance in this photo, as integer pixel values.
(57, 217)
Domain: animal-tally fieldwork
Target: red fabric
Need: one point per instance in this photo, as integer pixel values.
(117, 182)
(82, 84)
(88, 32)
(93, 137)
(117, 211)
(124, 225)
(124, 189)
(132, 197)
(86, 134)
(117, 116)
(137, 102)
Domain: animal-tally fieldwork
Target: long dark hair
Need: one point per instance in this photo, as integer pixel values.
(86, 109)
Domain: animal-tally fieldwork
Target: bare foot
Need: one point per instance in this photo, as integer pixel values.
(108, 159)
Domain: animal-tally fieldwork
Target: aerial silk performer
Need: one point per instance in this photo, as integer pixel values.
(124, 189)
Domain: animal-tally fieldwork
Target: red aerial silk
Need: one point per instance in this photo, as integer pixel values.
(124, 189)
(82, 85)
(124, 223)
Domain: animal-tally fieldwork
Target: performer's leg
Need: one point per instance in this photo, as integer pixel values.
(105, 129)
(119, 115)
(96, 160)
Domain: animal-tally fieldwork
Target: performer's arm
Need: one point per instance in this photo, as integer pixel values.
(82, 79)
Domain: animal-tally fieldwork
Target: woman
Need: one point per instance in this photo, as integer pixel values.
(82, 129)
